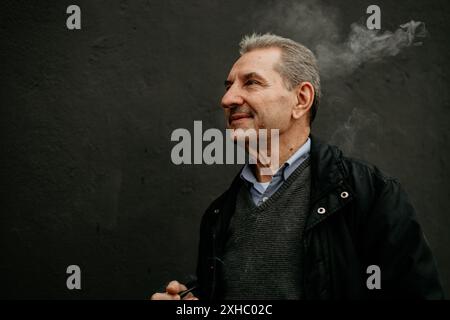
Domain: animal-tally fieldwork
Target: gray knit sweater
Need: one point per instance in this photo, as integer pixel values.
(262, 258)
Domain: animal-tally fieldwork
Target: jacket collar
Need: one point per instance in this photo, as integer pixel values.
(330, 188)
(326, 168)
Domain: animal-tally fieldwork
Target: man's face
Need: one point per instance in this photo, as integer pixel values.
(256, 97)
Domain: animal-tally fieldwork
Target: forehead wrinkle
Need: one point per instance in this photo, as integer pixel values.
(253, 60)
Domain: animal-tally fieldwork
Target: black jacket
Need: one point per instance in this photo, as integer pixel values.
(358, 217)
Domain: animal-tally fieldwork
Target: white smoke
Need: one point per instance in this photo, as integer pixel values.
(320, 28)
(347, 134)
(364, 45)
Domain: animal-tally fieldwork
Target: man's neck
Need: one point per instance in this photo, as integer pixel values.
(286, 150)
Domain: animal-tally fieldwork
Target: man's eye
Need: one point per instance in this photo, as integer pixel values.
(250, 82)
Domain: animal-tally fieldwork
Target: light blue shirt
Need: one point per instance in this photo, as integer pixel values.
(260, 192)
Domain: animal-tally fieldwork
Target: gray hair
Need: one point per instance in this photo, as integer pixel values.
(298, 64)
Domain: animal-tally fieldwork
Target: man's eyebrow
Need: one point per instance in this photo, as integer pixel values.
(246, 77)
(252, 75)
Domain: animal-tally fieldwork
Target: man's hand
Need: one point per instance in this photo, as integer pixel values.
(172, 292)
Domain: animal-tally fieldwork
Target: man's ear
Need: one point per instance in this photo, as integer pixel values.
(305, 97)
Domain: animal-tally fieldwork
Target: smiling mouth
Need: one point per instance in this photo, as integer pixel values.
(239, 116)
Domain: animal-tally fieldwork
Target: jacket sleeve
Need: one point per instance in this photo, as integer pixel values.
(395, 242)
(201, 271)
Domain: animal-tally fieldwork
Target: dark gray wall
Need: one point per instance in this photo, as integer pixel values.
(86, 119)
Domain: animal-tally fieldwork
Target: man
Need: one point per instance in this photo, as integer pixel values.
(314, 228)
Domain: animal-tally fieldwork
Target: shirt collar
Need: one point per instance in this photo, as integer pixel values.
(286, 169)
(296, 159)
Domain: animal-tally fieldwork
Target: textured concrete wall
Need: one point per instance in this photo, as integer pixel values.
(86, 119)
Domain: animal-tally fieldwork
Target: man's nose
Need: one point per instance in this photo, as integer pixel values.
(232, 97)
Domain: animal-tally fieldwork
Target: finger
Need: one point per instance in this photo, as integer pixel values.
(174, 287)
(164, 296)
(188, 296)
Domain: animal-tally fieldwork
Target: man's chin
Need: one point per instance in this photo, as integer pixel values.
(239, 126)
(242, 132)
(243, 124)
